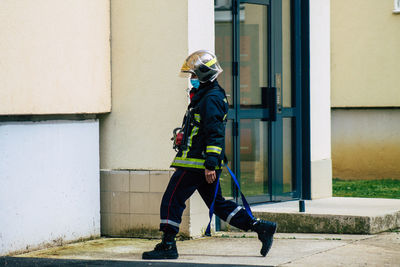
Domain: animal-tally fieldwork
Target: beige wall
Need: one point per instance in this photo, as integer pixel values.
(130, 200)
(149, 44)
(54, 56)
(365, 53)
(148, 97)
(366, 143)
(130, 204)
(365, 73)
(150, 40)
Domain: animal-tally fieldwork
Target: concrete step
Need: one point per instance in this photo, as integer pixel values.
(336, 215)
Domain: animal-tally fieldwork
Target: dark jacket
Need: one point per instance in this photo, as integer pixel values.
(204, 138)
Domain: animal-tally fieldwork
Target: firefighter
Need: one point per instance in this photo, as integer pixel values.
(200, 144)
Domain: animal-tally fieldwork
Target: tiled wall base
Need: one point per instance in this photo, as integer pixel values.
(130, 204)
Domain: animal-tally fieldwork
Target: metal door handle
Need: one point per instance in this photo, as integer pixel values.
(269, 100)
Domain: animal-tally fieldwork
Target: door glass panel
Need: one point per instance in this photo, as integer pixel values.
(254, 157)
(225, 179)
(223, 44)
(253, 54)
(286, 55)
(254, 61)
(288, 177)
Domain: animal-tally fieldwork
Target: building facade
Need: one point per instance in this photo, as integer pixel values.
(279, 149)
(90, 94)
(55, 78)
(365, 89)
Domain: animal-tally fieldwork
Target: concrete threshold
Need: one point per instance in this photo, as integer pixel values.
(336, 215)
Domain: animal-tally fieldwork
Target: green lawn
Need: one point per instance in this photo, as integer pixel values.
(386, 188)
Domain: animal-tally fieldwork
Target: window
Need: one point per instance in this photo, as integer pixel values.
(396, 9)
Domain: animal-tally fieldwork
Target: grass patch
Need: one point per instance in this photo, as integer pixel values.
(386, 188)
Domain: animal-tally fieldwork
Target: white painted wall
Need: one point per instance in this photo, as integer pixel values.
(320, 81)
(320, 71)
(200, 25)
(49, 183)
(201, 36)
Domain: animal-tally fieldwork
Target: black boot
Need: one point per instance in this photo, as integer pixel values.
(265, 231)
(164, 250)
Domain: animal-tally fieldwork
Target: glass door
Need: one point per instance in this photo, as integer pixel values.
(253, 45)
(252, 114)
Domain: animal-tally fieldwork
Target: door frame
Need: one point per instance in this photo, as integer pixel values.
(301, 90)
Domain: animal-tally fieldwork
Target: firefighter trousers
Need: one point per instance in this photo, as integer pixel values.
(182, 185)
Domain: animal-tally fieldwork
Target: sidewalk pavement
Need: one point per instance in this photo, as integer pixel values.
(227, 249)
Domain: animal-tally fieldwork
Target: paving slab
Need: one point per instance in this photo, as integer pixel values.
(336, 215)
(235, 249)
(381, 250)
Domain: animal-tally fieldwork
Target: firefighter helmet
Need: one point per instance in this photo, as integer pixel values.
(203, 64)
